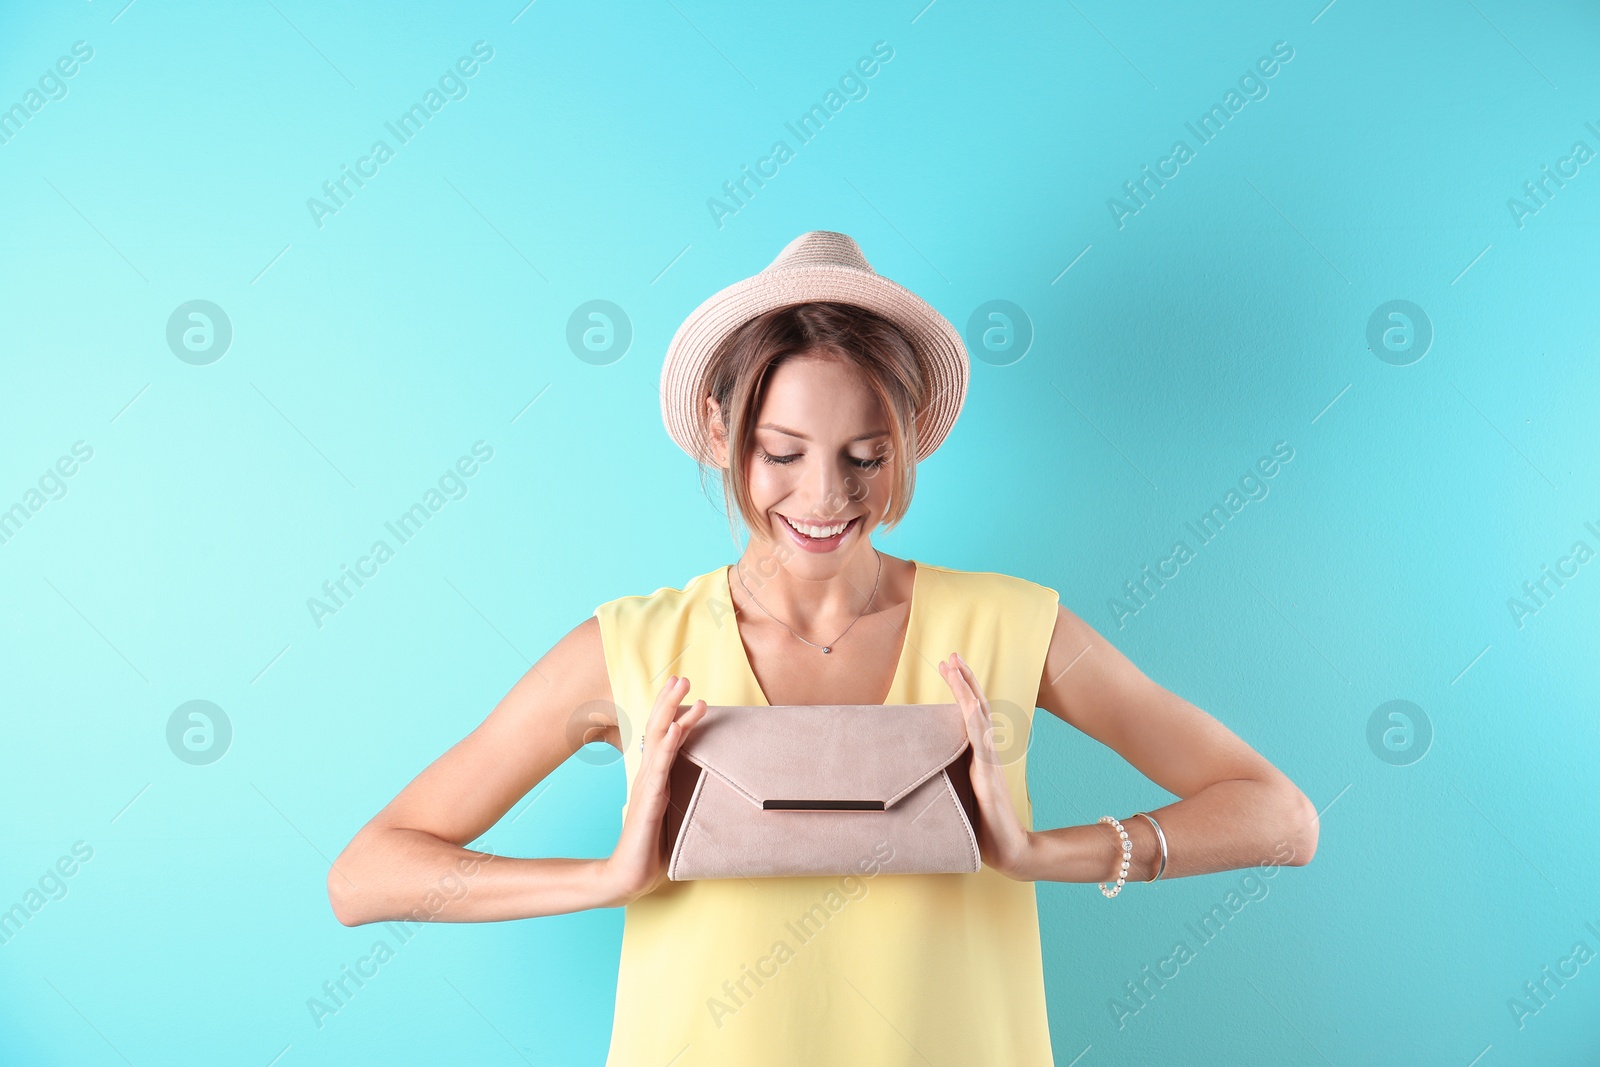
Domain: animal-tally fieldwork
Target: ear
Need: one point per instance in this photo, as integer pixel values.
(719, 432)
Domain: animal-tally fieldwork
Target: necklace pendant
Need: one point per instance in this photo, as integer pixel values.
(825, 648)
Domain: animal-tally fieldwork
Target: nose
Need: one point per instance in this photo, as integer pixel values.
(834, 486)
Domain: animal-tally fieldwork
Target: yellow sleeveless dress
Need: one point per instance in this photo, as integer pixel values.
(873, 969)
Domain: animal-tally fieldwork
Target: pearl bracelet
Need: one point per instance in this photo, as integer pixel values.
(1127, 854)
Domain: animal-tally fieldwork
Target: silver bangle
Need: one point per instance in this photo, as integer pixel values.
(1127, 852)
(1161, 837)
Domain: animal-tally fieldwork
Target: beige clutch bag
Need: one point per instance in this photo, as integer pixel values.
(822, 789)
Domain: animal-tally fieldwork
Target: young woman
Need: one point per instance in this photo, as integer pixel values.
(815, 387)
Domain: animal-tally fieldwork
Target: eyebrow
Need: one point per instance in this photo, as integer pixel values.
(795, 433)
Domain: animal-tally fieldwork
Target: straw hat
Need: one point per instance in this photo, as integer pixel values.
(820, 265)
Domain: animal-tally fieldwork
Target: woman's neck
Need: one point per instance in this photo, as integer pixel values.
(809, 603)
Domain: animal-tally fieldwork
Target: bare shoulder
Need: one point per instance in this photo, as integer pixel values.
(565, 696)
(1070, 628)
(576, 673)
(1081, 671)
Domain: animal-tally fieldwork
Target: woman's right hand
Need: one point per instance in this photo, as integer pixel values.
(636, 866)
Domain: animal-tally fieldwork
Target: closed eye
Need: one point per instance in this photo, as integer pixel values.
(864, 464)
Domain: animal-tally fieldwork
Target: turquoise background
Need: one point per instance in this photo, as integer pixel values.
(1228, 314)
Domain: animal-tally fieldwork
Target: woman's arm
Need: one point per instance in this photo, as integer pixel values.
(409, 863)
(1237, 809)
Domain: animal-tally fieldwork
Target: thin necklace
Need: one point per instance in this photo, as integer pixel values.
(829, 646)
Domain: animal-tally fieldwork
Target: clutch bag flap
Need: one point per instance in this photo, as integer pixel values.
(762, 791)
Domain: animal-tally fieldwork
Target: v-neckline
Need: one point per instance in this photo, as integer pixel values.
(907, 644)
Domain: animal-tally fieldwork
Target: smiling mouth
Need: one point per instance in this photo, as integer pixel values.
(848, 526)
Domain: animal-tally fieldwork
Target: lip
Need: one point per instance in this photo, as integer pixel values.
(812, 545)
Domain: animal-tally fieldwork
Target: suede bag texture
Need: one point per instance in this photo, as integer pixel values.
(822, 789)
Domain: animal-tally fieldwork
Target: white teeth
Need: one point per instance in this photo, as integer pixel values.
(819, 532)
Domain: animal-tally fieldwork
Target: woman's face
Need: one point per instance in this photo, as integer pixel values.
(821, 444)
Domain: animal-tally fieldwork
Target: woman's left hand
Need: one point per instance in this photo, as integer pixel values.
(1003, 842)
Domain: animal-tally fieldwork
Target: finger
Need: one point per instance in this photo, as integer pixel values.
(956, 680)
(683, 718)
(665, 751)
(684, 721)
(696, 712)
(972, 683)
(979, 716)
(972, 714)
(671, 690)
(665, 709)
(962, 684)
(653, 780)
